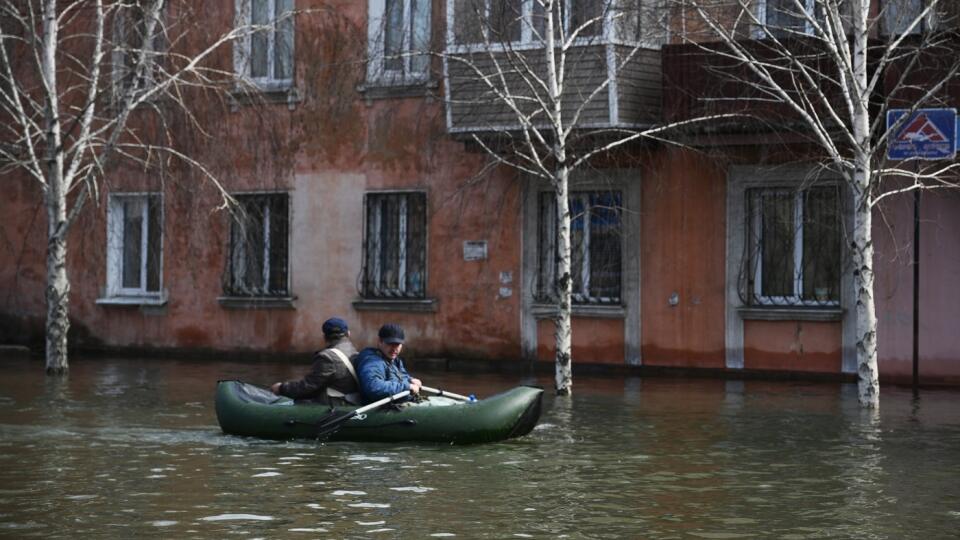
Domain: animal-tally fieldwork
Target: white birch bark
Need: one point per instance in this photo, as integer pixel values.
(868, 379)
(562, 325)
(851, 137)
(58, 285)
(69, 163)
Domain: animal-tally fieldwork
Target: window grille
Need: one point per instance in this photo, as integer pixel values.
(794, 246)
(395, 261)
(596, 246)
(258, 260)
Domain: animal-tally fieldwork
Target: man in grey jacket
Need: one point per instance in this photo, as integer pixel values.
(332, 378)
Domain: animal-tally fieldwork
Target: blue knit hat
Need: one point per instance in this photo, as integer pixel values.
(334, 328)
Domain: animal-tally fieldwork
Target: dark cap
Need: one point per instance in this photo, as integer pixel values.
(334, 327)
(391, 333)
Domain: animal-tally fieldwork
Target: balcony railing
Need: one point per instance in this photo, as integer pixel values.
(494, 72)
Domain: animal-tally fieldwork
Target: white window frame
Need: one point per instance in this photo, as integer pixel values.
(926, 24)
(809, 6)
(263, 197)
(115, 246)
(377, 72)
(372, 241)
(796, 299)
(243, 47)
(741, 178)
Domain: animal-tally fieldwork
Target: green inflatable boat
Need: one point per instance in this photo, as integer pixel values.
(251, 410)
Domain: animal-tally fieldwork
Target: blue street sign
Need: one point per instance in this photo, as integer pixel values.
(928, 134)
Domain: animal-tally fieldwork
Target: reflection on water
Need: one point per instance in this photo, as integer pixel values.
(127, 448)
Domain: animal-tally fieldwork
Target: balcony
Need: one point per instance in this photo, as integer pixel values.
(700, 81)
(480, 75)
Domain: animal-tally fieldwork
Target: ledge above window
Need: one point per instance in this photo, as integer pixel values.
(420, 305)
(813, 313)
(257, 302)
(268, 93)
(388, 89)
(549, 311)
(153, 300)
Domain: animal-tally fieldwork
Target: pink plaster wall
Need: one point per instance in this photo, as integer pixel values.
(594, 341)
(682, 243)
(939, 340)
(799, 346)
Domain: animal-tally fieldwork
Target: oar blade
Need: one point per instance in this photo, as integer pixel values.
(331, 425)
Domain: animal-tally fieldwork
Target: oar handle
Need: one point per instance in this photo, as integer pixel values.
(381, 402)
(446, 393)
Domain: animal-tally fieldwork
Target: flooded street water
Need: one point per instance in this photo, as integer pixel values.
(127, 448)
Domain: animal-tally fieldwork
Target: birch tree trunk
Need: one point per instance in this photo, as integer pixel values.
(868, 381)
(58, 286)
(64, 136)
(868, 384)
(562, 325)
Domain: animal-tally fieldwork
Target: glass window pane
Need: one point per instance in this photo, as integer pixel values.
(259, 41)
(416, 248)
(506, 17)
(420, 32)
(589, 15)
(283, 46)
(605, 246)
(395, 245)
(821, 245)
(254, 240)
(248, 242)
(467, 17)
(777, 236)
(578, 244)
(538, 23)
(390, 244)
(547, 241)
(278, 245)
(154, 242)
(596, 246)
(132, 242)
(784, 18)
(393, 36)
(899, 14)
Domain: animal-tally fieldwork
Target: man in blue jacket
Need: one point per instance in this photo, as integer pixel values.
(381, 370)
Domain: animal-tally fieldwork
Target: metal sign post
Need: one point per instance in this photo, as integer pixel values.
(927, 134)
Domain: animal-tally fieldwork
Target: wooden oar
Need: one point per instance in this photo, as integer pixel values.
(448, 394)
(329, 427)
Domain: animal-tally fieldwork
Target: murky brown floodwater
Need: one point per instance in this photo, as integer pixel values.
(128, 448)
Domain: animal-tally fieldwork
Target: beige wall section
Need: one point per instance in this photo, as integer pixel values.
(326, 240)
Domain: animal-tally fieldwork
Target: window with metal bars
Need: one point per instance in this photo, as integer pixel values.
(794, 246)
(596, 246)
(257, 265)
(395, 245)
(134, 243)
